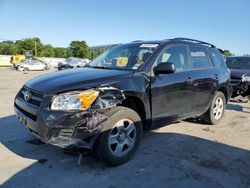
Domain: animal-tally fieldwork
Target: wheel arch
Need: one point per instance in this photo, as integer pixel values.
(137, 104)
(225, 92)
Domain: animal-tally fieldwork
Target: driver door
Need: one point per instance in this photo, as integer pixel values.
(172, 94)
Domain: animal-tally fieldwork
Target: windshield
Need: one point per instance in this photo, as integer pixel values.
(238, 62)
(126, 57)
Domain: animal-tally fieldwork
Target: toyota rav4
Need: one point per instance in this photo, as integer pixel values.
(105, 106)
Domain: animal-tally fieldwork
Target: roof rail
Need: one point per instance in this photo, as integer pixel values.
(193, 40)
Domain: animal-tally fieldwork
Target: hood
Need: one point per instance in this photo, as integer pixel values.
(238, 73)
(75, 79)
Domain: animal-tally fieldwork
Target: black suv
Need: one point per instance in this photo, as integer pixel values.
(105, 106)
(240, 75)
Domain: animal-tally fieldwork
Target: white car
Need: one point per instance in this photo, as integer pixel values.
(31, 65)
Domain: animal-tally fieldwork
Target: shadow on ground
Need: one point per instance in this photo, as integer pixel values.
(163, 160)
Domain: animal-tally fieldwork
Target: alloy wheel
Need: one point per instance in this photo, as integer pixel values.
(122, 137)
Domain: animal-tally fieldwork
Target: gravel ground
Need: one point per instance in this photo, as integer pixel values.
(184, 154)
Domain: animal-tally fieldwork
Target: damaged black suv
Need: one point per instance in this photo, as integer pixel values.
(105, 106)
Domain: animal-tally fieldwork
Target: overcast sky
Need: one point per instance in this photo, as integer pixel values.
(226, 23)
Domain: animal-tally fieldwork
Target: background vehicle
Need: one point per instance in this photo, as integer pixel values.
(105, 106)
(72, 63)
(17, 59)
(5, 61)
(30, 65)
(240, 75)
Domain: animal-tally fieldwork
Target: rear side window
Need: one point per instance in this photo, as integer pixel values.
(199, 58)
(217, 57)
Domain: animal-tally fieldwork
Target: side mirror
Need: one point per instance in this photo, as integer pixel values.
(164, 68)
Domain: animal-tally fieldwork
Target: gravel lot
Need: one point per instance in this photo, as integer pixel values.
(183, 154)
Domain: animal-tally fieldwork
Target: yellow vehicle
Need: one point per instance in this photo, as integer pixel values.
(16, 59)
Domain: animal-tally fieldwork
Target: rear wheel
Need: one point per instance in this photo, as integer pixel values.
(121, 136)
(216, 110)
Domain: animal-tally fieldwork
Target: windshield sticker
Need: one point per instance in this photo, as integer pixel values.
(149, 45)
(135, 66)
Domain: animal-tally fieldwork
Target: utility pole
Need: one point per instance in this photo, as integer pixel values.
(35, 50)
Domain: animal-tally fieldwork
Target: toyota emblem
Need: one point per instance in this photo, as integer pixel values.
(26, 95)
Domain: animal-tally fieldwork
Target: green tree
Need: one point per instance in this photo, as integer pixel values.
(8, 48)
(61, 52)
(78, 49)
(30, 44)
(48, 51)
(227, 53)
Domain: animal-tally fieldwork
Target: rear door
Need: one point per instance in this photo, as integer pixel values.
(204, 77)
(172, 94)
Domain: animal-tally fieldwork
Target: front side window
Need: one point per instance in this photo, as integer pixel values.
(124, 57)
(176, 55)
(199, 58)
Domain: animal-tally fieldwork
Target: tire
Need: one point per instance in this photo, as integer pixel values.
(25, 69)
(111, 147)
(214, 116)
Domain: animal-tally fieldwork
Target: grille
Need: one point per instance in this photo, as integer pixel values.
(35, 97)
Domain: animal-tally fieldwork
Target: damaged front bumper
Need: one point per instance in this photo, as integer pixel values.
(240, 87)
(73, 129)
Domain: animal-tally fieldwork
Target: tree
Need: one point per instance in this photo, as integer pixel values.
(227, 53)
(37, 48)
(30, 44)
(61, 52)
(78, 49)
(48, 51)
(8, 48)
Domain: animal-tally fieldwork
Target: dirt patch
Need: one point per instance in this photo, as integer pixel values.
(212, 164)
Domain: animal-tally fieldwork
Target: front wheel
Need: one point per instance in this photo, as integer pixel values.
(121, 136)
(216, 110)
(25, 69)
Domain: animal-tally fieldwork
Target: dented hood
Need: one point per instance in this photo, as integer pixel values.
(76, 79)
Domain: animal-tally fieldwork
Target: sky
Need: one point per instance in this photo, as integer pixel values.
(225, 23)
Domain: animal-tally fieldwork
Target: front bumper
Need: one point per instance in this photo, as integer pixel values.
(65, 129)
(240, 87)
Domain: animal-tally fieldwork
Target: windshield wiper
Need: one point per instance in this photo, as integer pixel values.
(99, 67)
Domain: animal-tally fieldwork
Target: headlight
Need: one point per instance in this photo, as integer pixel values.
(245, 78)
(74, 100)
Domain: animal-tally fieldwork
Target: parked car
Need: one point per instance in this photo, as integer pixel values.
(105, 106)
(72, 63)
(31, 65)
(240, 75)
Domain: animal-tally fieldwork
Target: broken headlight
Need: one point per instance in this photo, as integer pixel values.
(74, 100)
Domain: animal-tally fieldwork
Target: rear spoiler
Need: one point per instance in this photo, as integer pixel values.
(221, 51)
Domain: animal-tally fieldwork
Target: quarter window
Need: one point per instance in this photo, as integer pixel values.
(199, 58)
(217, 57)
(176, 55)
